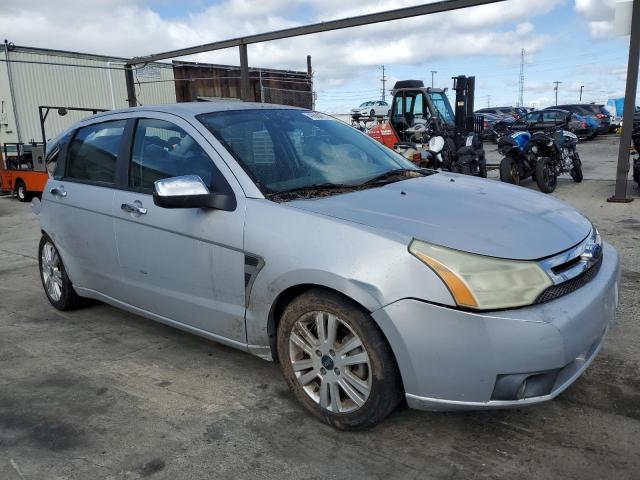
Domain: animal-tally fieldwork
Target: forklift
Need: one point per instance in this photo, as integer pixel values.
(424, 128)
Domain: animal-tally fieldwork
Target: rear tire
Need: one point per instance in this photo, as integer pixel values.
(509, 171)
(21, 192)
(576, 171)
(482, 169)
(55, 281)
(347, 394)
(546, 176)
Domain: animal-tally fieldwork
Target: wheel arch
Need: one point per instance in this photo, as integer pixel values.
(62, 256)
(289, 294)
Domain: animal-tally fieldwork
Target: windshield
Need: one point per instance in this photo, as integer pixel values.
(441, 102)
(290, 149)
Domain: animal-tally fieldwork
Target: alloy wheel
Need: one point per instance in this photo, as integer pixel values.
(330, 362)
(51, 271)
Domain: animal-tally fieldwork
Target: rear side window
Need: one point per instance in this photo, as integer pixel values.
(162, 149)
(93, 152)
(551, 116)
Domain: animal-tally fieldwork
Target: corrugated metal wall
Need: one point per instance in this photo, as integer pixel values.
(50, 83)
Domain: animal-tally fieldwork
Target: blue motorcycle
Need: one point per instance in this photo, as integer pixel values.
(542, 156)
(519, 160)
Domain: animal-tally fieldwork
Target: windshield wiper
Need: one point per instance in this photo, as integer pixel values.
(316, 187)
(402, 173)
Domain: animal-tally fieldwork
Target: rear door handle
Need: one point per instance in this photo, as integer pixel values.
(133, 208)
(58, 191)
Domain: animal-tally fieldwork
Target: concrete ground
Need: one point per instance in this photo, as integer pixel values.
(100, 393)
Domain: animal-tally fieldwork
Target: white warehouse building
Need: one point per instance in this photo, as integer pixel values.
(33, 77)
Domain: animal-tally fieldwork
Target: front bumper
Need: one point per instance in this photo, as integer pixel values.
(450, 359)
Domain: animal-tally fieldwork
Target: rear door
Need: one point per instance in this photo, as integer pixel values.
(185, 265)
(552, 118)
(77, 203)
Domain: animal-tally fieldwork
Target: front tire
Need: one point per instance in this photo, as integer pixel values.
(509, 171)
(576, 171)
(336, 361)
(55, 280)
(546, 176)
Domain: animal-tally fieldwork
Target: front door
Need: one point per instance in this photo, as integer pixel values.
(186, 265)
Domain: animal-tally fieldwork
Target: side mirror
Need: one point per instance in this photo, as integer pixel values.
(189, 191)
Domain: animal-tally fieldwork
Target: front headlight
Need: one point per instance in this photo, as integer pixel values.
(483, 283)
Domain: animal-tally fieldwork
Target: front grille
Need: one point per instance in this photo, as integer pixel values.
(569, 286)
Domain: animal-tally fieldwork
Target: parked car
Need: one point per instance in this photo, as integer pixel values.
(549, 118)
(599, 112)
(489, 121)
(592, 121)
(288, 234)
(511, 111)
(376, 108)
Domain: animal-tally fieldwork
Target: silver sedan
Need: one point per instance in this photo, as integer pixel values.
(290, 235)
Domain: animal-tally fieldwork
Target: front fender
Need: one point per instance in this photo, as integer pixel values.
(262, 299)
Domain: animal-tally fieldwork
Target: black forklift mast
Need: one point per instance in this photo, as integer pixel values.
(465, 89)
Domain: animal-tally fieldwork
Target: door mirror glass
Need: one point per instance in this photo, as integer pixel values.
(189, 191)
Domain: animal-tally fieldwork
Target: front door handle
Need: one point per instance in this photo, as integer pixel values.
(58, 191)
(133, 208)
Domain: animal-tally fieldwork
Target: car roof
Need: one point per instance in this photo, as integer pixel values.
(191, 109)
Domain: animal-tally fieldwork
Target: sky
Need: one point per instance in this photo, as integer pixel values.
(570, 41)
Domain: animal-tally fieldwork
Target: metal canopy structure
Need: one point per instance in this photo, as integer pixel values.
(407, 12)
(242, 42)
(620, 194)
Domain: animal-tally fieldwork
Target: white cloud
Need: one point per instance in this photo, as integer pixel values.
(599, 16)
(130, 28)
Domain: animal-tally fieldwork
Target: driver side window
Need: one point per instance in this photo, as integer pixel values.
(162, 150)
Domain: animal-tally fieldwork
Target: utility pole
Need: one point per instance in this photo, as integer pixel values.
(521, 89)
(556, 89)
(384, 82)
(433, 72)
(581, 87)
(488, 101)
(622, 170)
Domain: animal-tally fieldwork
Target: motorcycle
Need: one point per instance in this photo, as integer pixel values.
(518, 162)
(441, 151)
(556, 153)
(542, 156)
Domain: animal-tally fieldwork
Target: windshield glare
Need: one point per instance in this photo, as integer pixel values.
(290, 149)
(441, 103)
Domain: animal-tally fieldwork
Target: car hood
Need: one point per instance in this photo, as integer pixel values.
(462, 212)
